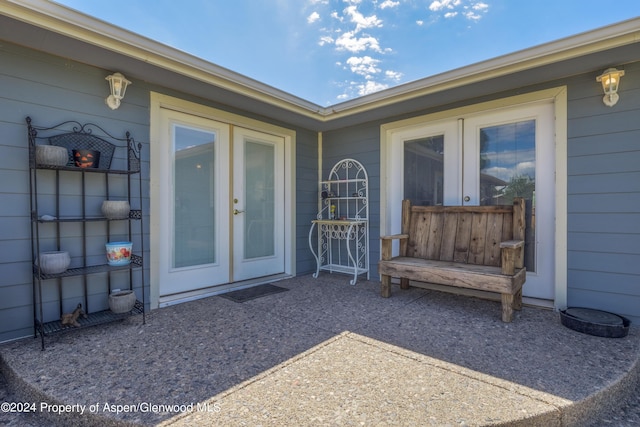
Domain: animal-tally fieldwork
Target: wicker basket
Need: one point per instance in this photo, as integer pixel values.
(51, 155)
(54, 262)
(115, 209)
(122, 301)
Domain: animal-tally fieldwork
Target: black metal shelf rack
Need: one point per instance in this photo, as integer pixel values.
(72, 135)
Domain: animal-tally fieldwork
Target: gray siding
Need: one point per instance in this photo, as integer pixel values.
(361, 143)
(604, 196)
(50, 90)
(306, 197)
(603, 189)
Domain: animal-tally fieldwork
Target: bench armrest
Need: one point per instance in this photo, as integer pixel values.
(512, 254)
(514, 244)
(395, 236)
(386, 244)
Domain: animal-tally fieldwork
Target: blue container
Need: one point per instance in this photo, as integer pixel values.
(119, 253)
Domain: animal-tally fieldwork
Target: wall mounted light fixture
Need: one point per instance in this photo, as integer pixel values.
(118, 85)
(610, 80)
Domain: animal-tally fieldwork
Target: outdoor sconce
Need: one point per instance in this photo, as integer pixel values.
(118, 85)
(610, 80)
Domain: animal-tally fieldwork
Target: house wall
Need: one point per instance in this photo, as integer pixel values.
(361, 143)
(603, 197)
(51, 90)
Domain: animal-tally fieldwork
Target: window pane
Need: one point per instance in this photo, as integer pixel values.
(194, 198)
(508, 170)
(423, 170)
(507, 162)
(259, 232)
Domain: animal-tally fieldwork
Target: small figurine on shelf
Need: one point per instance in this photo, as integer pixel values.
(71, 319)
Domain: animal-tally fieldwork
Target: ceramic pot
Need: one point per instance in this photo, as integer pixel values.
(115, 209)
(54, 262)
(119, 253)
(86, 158)
(122, 301)
(51, 155)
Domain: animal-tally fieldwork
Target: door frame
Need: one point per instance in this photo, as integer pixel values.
(157, 103)
(558, 97)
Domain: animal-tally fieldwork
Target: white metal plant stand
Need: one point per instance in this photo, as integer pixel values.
(342, 224)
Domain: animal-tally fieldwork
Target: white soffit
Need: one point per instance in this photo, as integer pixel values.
(70, 23)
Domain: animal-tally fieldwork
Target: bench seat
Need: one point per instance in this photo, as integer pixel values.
(473, 247)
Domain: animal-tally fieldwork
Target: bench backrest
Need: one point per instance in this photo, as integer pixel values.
(464, 234)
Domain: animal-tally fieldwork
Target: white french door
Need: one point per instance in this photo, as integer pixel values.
(221, 199)
(194, 191)
(258, 201)
(485, 159)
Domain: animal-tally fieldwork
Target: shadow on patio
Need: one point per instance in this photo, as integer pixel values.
(328, 353)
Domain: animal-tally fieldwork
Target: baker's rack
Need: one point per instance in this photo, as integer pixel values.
(341, 228)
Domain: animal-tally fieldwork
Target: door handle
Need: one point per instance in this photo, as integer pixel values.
(236, 212)
(467, 198)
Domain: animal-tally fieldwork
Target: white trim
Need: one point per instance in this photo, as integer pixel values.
(558, 96)
(160, 101)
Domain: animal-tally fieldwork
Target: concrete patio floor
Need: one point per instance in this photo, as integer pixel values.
(325, 353)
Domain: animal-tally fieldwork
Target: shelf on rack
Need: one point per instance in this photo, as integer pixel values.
(133, 214)
(88, 170)
(342, 181)
(136, 262)
(97, 318)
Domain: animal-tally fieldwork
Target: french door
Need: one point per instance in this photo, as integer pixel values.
(485, 159)
(258, 200)
(222, 204)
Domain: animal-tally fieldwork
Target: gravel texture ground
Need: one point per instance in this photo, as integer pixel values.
(214, 349)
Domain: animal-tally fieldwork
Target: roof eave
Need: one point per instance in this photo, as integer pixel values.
(71, 23)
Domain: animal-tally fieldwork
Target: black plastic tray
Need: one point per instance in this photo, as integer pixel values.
(588, 321)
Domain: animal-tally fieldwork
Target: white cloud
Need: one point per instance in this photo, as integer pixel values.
(364, 66)
(325, 40)
(420, 22)
(313, 17)
(370, 87)
(393, 75)
(349, 42)
(389, 3)
(470, 9)
(361, 21)
(436, 5)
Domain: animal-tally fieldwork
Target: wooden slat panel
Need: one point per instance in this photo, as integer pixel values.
(435, 236)
(462, 238)
(449, 231)
(478, 235)
(419, 235)
(518, 219)
(507, 227)
(493, 238)
(479, 209)
(405, 225)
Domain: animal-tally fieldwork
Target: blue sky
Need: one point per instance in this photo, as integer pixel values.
(330, 51)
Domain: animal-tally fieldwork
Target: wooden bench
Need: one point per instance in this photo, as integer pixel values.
(476, 247)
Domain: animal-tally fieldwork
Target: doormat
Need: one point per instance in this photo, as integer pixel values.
(254, 292)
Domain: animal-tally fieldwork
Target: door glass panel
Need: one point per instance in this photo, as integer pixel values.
(508, 170)
(259, 223)
(194, 197)
(423, 170)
